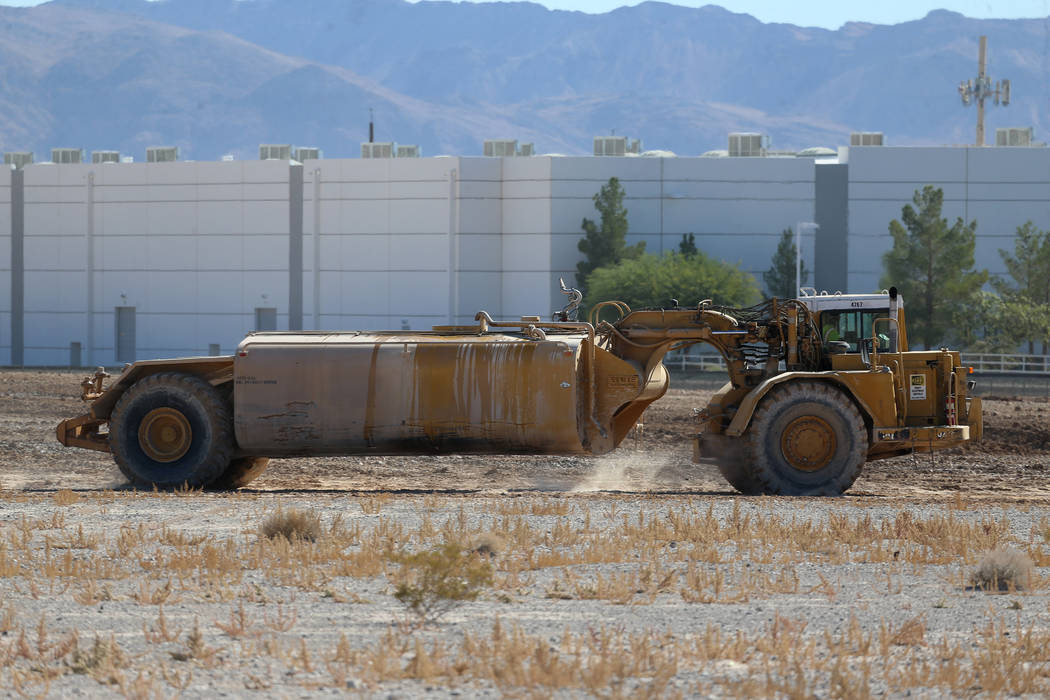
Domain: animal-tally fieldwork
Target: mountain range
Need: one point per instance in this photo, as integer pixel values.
(222, 76)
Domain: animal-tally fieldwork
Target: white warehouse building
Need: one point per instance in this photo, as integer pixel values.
(999, 188)
(105, 263)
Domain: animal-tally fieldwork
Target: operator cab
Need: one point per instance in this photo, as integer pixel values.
(847, 319)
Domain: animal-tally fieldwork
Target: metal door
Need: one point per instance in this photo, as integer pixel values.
(125, 342)
(265, 318)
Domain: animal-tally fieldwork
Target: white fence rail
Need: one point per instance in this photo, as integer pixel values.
(695, 363)
(1002, 364)
(985, 363)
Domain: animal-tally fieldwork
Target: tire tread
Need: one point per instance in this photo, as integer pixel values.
(219, 417)
(733, 461)
(765, 475)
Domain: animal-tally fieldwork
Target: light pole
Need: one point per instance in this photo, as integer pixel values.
(798, 251)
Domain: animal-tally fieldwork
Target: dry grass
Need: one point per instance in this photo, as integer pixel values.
(196, 649)
(768, 663)
(1003, 569)
(432, 583)
(103, 661)
(244, 594)
(488, 544)
(293, 524)
(373, 505)
(65, 497)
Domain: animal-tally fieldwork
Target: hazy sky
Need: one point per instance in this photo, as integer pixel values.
(819, 13)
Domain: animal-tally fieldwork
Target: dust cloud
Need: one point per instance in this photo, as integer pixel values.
(628, 471)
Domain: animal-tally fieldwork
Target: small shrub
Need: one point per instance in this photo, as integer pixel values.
(488, 544)
(432, 583)
(103, 661)
(1002, 569)
(911, 633)
(293, 525)
(196, 649)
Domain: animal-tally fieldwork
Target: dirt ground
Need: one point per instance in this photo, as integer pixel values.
(1010, 464)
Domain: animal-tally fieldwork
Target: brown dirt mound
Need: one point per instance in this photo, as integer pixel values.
(1015, 427)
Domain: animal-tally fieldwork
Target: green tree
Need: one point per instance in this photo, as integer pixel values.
(931, 263)
(687, 246)
(1029, 266)
(1026, 299)
(997, 324)
(780, 277)
(652, 281)
(983, 329)
(605, 243)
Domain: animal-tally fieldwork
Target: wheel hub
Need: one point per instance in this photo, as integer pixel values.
(808, 443)
(165, 434)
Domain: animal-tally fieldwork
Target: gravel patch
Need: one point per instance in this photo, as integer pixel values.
(577, 569)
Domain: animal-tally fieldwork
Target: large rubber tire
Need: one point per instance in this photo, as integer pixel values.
(731, 457)
(171, 429)
(806, 439)
(241, 472)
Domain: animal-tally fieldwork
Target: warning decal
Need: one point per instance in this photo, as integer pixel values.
(918, 387)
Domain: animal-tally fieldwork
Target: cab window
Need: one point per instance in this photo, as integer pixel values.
(852, 326)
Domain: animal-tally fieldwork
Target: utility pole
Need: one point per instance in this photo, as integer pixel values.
(980, 89)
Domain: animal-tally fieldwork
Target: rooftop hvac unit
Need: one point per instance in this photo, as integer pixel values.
(275, 151)
(866, 138)
(527, 149)
(105, 156)
(19, 159)
(408, 151)
(501, 148)
(377, 150)
(67, 155)
(1014, 136)
(635, 147)
(127, 159)
(610, 145)
(745, 145)
(162, 154)
(305, 153)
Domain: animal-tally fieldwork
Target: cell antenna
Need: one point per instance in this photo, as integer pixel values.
(371, 127)
(980, 89)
